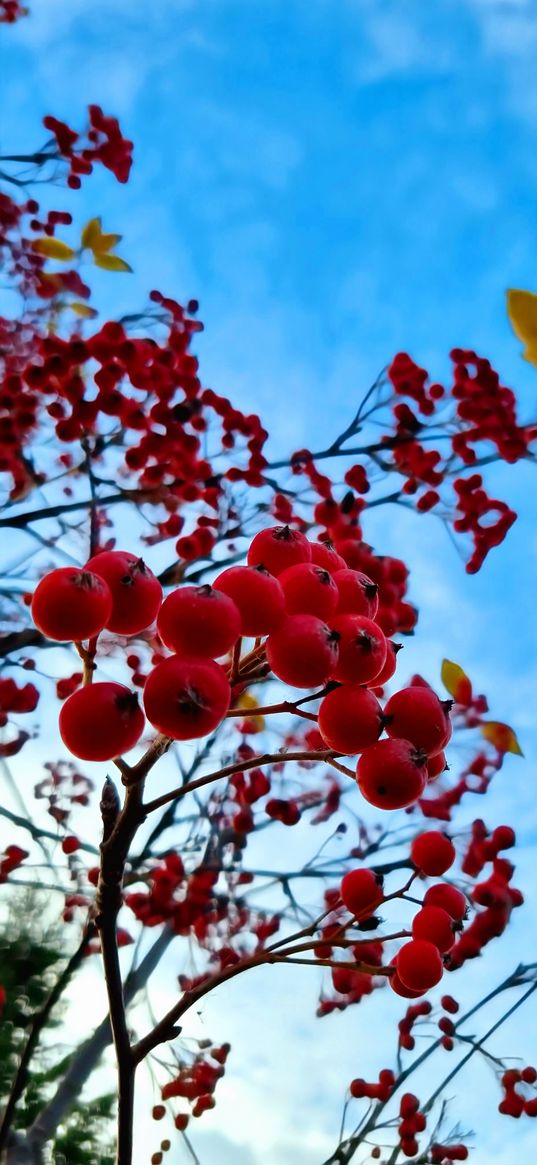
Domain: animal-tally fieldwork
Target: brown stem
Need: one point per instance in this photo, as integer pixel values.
(238, 767)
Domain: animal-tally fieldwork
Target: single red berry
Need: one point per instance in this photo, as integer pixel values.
(432, 853)
(358, 594)
(361, 891)
(436, 765)
(449, 1004)
(362, 649)
(70, 844)
(418, 715)
(278, 548)
(258, 596)
(158, 1112)
(350, 719)
(391, 774)
(308, 590)
(199, 622)
(449, 898)
(71, 604)
(386, 672)
(408, 1105)
(303, 652)
(136, 592)
(101, 721)
(419, 965)
(435, 925)
(186, 698)
(323, 554)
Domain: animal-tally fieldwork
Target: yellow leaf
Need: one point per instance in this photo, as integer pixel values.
(105, 244)
(83, 309)
(456, 682)
(90, 233)
(53, 249)
(249, 703)
(522, 313)
(501, 736)
(111, 262)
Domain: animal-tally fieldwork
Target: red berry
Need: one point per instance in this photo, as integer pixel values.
(136, 593)
(278, 548)
(418, 715)
(361, 892)
(101, 721)
(158, 1112)
(323, 554)
(258, 596)
(435, 925)
(390, 665)
(362, 649)
(71, 604)
(419, 965)
(409, 1105)
(432, 853)
(449, 898)
(303, 652)
(350, 719)
(308, 590)
(199, 621)
(436, 765)
(399, 987)
(186, 698)
(358, 594)
(391, 774)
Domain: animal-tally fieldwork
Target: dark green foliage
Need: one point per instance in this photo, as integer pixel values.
(31, 959)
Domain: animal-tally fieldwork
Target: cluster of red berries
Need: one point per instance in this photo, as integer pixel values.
(412, 1121)
(419, 963)
(514, 1102)
(379, 1090)
(10, 11)
(105, 144)
(196, 1082)
(318, 622)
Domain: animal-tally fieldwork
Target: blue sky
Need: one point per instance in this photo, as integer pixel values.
(333, 181)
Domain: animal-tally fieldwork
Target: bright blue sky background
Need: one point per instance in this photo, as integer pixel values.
(334, 181)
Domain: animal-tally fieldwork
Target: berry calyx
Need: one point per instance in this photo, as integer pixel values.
(101, 721)
(71, 604)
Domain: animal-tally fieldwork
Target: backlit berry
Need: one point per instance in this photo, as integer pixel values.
(432, 853)
(101, 721)
(303, 652)
(391, 774)
(186, 698)
(136, 592)
(419, 965)
(257, 595)
(199, 621)
(362, 649)
(361, 892)
(71, 604)
(418, 715)
(358, 594)
(350, 719)
(448, 898)
(435, 925)
(278, 548)
(308, 590)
